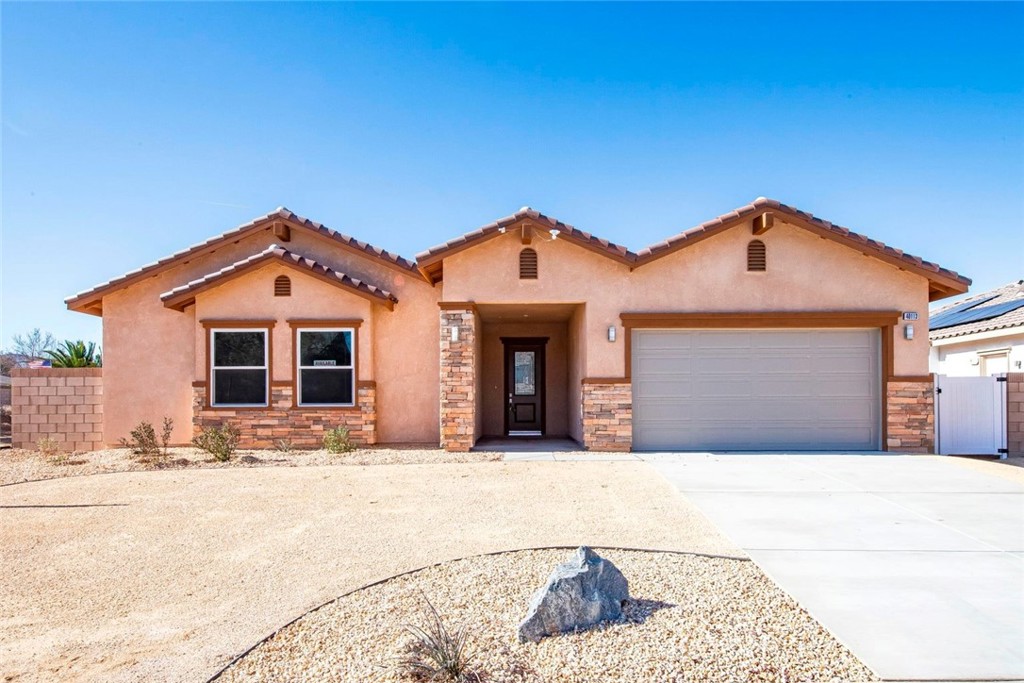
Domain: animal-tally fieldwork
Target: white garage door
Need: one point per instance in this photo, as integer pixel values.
(756, 389)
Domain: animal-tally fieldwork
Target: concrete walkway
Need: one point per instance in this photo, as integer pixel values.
(916, 563)
(164, 576)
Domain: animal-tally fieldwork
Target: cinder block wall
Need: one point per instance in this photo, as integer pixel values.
(1015, 413)
(65, 404)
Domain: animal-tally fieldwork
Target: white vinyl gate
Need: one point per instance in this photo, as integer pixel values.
(971, 415)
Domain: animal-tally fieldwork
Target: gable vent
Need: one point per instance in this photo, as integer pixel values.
(282, 286)
(528, 264)
(756, 257)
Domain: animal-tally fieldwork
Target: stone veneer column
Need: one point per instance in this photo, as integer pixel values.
(607, 416)
(1015, 414)
(911, 416)
(458, 381)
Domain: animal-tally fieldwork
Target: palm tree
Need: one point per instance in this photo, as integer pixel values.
(75, 354)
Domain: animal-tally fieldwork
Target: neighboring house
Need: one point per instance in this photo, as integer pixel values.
(980, 335)
(763, 328)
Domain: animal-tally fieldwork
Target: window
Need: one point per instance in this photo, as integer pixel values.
(282, 286)
(326, 367)
(756, 256)
(238, 367)
(528, 264)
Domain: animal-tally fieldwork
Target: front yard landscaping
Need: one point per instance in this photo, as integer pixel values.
(20, 465)
(689, 618)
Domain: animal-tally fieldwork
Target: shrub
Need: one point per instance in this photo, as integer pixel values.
(143, 441)
(165, 434)
(75, 354)
(436, 653)
(284, 445)
(220, 442)
(49, 447)
(337, 440)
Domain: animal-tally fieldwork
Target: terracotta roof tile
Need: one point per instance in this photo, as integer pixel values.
(281, 214)
(291, 258)
(762, 204)
(616, 251)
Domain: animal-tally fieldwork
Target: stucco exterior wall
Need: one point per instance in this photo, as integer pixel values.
(960, 358)
(805, 273)
(151, 358)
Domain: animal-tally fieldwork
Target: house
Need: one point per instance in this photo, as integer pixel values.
(981, 335)
(763, 328)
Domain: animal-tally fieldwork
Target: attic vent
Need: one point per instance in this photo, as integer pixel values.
(756, 258)
(282, 286)
(528, 264)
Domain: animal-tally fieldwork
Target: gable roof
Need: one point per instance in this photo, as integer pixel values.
(942, 282)
(181, 297)
(430, 262)
(90, 300)
(997, 309)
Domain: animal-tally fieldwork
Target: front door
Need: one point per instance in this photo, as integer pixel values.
(524, 385)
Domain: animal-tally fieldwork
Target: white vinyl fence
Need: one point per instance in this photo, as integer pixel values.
(970, 415)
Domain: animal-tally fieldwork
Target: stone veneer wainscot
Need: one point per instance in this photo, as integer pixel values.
(301, 427)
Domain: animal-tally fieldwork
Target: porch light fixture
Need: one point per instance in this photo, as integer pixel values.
(455, 333)
(554, 233)
(611, 333)
(908, 332)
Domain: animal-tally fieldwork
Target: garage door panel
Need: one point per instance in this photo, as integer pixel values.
(756, 389)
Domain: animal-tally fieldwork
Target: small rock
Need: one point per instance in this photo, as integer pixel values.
(585, 590)
(249, 459)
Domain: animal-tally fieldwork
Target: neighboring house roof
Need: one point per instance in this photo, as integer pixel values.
(181, 297)
(997, 309)
(280, 222)
(430, 261)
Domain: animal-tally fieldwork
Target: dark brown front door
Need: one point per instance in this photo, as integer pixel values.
(524, 385)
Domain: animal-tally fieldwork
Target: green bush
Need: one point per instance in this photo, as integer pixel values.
(337, 440)
(143, 441)
(220, 442)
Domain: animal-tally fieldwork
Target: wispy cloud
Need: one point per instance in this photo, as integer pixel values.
(16, 129)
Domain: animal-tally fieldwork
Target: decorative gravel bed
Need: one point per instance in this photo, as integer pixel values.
(18, 465)
(690, 618)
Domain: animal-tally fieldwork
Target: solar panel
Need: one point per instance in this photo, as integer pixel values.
(964, 305)
(974, 314)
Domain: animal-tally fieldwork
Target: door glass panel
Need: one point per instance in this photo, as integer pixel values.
(526, 373)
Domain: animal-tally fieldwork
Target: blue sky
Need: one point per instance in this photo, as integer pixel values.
(133, 130)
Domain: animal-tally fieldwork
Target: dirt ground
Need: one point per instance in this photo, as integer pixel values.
(164, 576)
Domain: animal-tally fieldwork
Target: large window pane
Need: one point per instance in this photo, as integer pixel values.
(325, 349)
(326, 386)
(240, 387)
(233, 349)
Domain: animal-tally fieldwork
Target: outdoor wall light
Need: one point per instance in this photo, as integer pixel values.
(611, 333)
(554, 233)
(455, 333)
(908, 332)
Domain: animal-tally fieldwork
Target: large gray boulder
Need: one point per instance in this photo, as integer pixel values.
(585, 590)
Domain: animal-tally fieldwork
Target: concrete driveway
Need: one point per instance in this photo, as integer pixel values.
(916, 563)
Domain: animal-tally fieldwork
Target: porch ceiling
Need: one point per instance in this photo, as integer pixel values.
(523, 313)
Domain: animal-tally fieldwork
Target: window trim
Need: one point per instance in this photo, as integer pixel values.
(236, 327)
(318, 325)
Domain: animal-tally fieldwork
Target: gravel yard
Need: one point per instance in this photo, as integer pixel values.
(690, 618)
(18, 465)
(166, 576)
